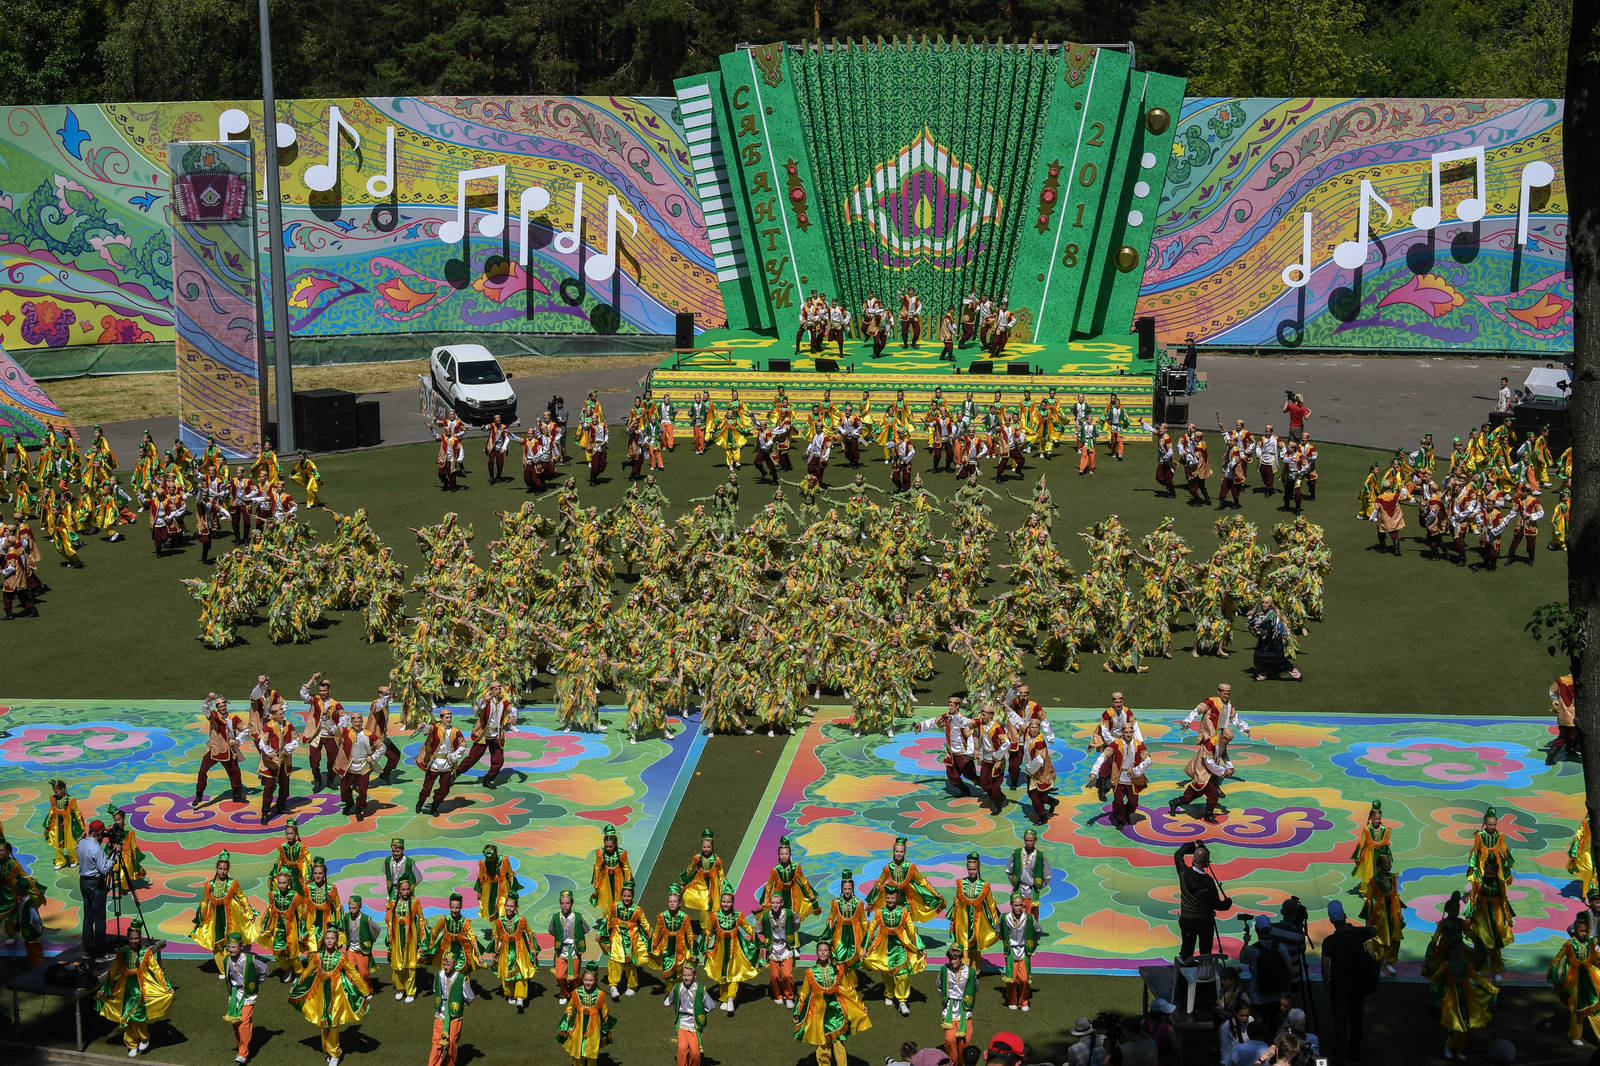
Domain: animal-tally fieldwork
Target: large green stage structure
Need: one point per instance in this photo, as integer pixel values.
(1024, 171)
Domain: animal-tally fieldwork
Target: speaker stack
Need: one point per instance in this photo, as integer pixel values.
(369, 427)
(684, 330)
(779, 366)
(981, 366)
(326, 420)
(1530, 416)
(1146, 328)
(1015, 369)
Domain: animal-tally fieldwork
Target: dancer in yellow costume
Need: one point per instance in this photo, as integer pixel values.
(1462, 998)
(407, 934)
(916, 893)
(516, 953)
(611, 869)
(789, 880)
(283, 925)
(974, 917)
(330, 993)
(128, 856)
(1489, 913)
(306, 473)
(322, 904)
(1373, 841)
(624, 931)
(704, 880)
(731, 951)
(293, 857)
(63, 826)
(135, 991)
(223, 909)
(1575, 973)
(1383, 910)
(1580, 859)
(827, 1010)
(894, 950)
(586, 1024)
(497, 882)
(846, 932)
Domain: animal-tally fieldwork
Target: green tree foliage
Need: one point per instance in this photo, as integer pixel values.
(79, 50)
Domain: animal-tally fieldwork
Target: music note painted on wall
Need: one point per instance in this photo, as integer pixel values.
(1352, 255)
(534, 198)
(568, 242)
(601, 267)
(235, 121)
(381, 185)
(320, 177)
(1536, 175)
(1303, 267)
(1472, 208)
(491, 225)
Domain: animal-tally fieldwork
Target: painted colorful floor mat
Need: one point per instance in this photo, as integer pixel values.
(1303, 789)
(556, 791)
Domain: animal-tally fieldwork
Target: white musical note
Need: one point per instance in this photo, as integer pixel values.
(1536, 175)
(569, 242)
(1353, 254)
(534, 198)
(601, 267)
(379, 186)
(231, 123)
(489, 225)
(320, 177)
(1470, 209)
(1303, 267)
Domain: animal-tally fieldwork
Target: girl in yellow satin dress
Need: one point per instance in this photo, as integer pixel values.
(586, 1025)
(1383, 910)
(974, 917)
(223, 909)
(704, 879)
(135, 991)
(1374, 840)
(827, 1010)
(1580, 860)
(330, 993)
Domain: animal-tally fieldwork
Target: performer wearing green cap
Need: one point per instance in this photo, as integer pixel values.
(569, 933)
(397, 867)
(1029, 871)
(1462, 998)
(1373, 841)
(283, 925)
(1573, 972)
(452, 934)
(974, 917)
(222, 909)
(587, 1023)
(827, 1009)
(625, 933)
(1383, 910)
(673, 940)
(611, 869)
(894, 950)
(407, 935)
(703, 881)
(1488, 914)
(846, 930)
(21, 896)
(915, 892)
(1580, 859)
(516, 952)
(243, 972)
(497, 881)
(329, 993)
(63, 825)
(359, 933)
(691, 1006)
(322, 905)
(135, 992)
(128, 857)
(1020, 933)
(789, 880)
(451, 994)
(731, 951)
(293, 857)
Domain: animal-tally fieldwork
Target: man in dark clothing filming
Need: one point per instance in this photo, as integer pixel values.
(1199, 901)
(1348, 974)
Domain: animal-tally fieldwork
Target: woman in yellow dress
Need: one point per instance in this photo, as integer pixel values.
(731, 951)
(1374, 839)
(497, 882)
(1463, 999)
(1383, 910)
(223, 909)
(1580, 860)
(283, 925)
(1489, 914)
(586, 1024)
(330, 993)
(135, 991)
(1574, 974)
(974, 916)
(516, 953)
(322, 905)
(408, 931)
(704, 880)
(611, 869)
(788, 879)
(827, 1010)
(128, 856)
(292, 856)
(63, 825)
(894, 949)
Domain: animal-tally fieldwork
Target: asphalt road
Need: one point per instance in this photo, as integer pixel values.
(1386, 402)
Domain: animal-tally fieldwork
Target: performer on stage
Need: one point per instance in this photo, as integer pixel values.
(778, 933)
(788, 880)
(283, 925)
(497, 881)
(586, 1025)
(452, 991)
(569, 932)
(1166, 457)
(1462, 998)
(969, 318)
(359, 933)
(1121, 770)
(947, 336)
(703, 880)
(494, 448)
(324, 718)
(1041, 771)
(838, 324)
(1004, 323)
(1489, 873)
(448, 459)
(63, 825)
(1208, 767)
(960, 745)
(894, 950)
(408, 935)
(224, 735)
(21, 897)
(1574, 972)
(452, 935)
(917, 894)
(731, 952)
(330, 994)
(397, 867)
(135, 992)
(243, 972)
(624, 933)
(322, 907)
(443, 748)
(1373, 842)
(494, 720)
(1580, 859)
(611, 870)
(691, 1006)
(599, 451)
(1215, 715)
(673, 940)
(1384, 912)
(910, 320)
(222, 909)
(974, 918)
(828, 1010)
(355, 753)
(1020, 933)
(516, 952)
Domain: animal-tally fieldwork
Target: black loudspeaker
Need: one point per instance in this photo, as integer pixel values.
(369, 431)
(826, 366)
(981, 366)
(1530, 416)
(1146, 328)
(684, 337)
(1018, 368)
(779, 366)
(1177, 413)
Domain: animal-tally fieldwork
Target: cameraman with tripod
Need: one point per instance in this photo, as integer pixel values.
(94, 880)
(1200, 898)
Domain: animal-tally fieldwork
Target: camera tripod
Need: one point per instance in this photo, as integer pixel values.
(115, 892)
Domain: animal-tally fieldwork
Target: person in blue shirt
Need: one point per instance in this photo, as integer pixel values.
(94, 879)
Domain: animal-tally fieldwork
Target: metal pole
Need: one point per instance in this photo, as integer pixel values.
(283, 373)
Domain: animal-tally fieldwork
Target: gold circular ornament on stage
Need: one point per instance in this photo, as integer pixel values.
(1156, 120)
(1126, 258)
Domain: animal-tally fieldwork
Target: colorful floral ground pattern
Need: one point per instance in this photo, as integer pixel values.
(1302, 790)
(562, 788)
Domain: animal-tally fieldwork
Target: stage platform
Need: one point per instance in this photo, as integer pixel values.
(725, 361)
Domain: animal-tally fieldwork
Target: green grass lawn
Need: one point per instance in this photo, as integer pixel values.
(1403, 635)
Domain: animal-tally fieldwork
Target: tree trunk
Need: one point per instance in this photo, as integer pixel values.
(1582, 156)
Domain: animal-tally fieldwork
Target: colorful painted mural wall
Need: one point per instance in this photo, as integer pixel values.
(1372, 224)
(581, 218)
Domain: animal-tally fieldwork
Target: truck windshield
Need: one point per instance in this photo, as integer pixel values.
(484, 373)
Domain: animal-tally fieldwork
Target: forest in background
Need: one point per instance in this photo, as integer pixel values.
(72, 51)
